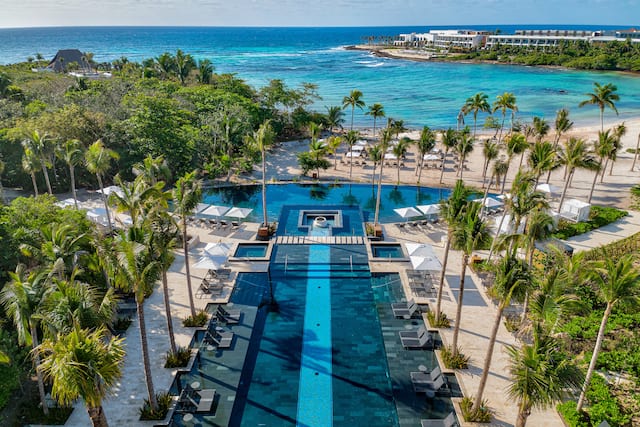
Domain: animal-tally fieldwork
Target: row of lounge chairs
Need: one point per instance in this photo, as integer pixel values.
(216, 224)
(214, 282)
(426, 225)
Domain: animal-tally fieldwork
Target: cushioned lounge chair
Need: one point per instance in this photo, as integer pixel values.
(404, 309)
(426, 377)
(207, 396)
(423, 340)
(449, 421)
(422, 385)
(228, 316)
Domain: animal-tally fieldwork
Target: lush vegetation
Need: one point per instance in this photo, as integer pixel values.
(599, 216)
(623, 56)
(200, 319)
(179, 358)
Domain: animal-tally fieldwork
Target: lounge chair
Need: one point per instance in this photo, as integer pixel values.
(219, 340)
(429, 387)
(228, 316)
(404, 309)
(426, 377)
(415, 334)
(209, 287)
(449, 421)
(421, 341)
(207, 396)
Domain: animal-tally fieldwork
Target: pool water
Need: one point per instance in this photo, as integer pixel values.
(250, 250)
(316, 195)
(387, 251)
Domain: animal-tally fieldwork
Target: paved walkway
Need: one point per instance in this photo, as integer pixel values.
(625, 227)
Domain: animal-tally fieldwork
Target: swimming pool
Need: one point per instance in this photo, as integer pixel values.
(251, 250)
(360, 195)
(387, 251)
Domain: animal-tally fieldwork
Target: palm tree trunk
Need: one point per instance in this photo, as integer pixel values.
(461, 165)
(350, 163)
(185, 246)
(45, 171)
(36, 362)
(504, 115)
(167, 308)
(352, 111)
(444, 160)
(495, 239)
(447, 246)
(504, 178)
(484, 199)
(72, 174)
(98, 417)
(555, 147)
(593, 184)
(611, 167)
(104, 200)
(456, 329)
(375, 219)
(153, 402)
(524, 410)
(635, 155)
(604, 169)
(564, 191)
(487, 359)
(420, 172)
(265, 220)
(373, 174)
(398, 169)
(594, 357)
(35, 184)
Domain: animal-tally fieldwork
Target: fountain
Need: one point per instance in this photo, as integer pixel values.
(320, 222)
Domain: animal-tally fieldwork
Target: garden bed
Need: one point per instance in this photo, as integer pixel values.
(599, 217)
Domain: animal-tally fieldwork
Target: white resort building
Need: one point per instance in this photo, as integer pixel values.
(443, 39)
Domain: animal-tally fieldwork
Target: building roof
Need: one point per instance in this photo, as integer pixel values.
(64, 57)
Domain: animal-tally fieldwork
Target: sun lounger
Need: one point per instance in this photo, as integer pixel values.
(429, 387)
(221, 341)
(426, 377)
(421, 341)
(413, 334)
(404, 309)
(228, 316)
(209, 287)
(449, 421)
(207, 397)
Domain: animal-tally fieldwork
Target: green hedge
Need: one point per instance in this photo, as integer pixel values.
(602, 406)
(598, 217)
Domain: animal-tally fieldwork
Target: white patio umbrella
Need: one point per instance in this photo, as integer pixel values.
(431, 157)
(236, 212)
(361, 143)
(215, 210)
(111, 189)
(390, 156)
(66, 202)
(428, 263)
(352, 154)
(357, 148)
(408, 212)
(552, 190)
(433, 209)
(489, 202)
(220, 249)
(201, 206)
(210, 262)
(420, 250)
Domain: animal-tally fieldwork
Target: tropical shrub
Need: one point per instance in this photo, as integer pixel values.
(459, 361)
(178, 359)
(199, 320)
(164, 402)
(482, 415)
(442, 322)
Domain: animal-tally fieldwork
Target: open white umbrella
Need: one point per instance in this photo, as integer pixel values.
(420, 250)
(65, 203)
(549, 189)
(489, 202)
(433, 209)
(428, 263)
(352, 154)
(361, 143)
(201, 206)
(236, 212)
(210, 262)
(215, 210)
(218, 249)
(407, 212)
(431, 157)
(390, 156)
(112, 189)
(357, 148)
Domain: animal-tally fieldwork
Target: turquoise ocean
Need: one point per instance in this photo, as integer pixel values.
(420, 93)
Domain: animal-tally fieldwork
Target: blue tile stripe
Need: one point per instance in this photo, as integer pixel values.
(315, 394)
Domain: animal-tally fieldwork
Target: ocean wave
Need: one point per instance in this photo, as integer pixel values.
(377, 64)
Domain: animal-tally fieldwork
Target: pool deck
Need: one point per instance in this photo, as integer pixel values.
(122, 407)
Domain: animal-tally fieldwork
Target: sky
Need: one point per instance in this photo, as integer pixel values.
(315, 13)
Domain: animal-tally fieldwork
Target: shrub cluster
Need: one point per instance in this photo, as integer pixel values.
(599, 217)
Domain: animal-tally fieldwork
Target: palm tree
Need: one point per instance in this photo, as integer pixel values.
(490, 150)
(205, 71)
(574, 155)
(375, 155)
(186, 196)
(601, 147)
(351, 138)
(137, 198)
(425, 144)
(353, 100)
(451, 210)
(618, 283)
(476, 103)
(71, 152)
(469, 233)
(463, 148)
(84, 364)
(317, 150)
(153, 170)
(31, 165)
(612, 155)
(98, 161)
(449, 141)
(376, 111)
(562, 125)
(513, 279)
(334, 117)
(500, 169)
(400, 150)
(40, 144)
(516, 144)
(184, 63)
(384, 144)
(540, 374)
(333, 145)
(602, 96)
(261, 140)
(542, 158)
(524, 198)
(137, 273)
(22, 298)
(540, 128)
(504, 102)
